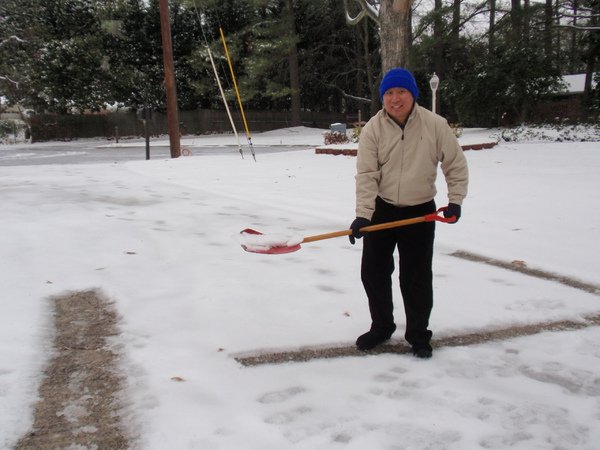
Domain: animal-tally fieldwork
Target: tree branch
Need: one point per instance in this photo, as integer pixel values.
(11, 38)
(349, 96)
(366, 10)
(16, 83)
(578, 27)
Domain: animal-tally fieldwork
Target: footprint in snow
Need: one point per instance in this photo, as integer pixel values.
(281, 396)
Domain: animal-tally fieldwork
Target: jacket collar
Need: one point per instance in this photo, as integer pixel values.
(411, 115)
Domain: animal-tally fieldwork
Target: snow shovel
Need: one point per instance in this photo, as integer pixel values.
(257, 242)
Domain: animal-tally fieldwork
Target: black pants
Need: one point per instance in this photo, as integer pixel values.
(415, 248)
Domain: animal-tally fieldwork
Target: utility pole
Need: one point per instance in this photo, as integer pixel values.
(172, 114)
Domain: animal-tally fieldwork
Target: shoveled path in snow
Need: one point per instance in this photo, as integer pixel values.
(336, 351)
(519, 266)
(78, 406)
(308, 353)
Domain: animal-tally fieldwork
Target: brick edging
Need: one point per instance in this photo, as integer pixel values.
(482, 146)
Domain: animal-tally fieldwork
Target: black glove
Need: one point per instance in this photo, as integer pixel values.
(358, 223)
(452, 210)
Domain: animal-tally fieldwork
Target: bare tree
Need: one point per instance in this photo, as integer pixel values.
(395, 28)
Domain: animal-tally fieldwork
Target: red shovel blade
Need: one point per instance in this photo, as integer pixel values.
(267, 247)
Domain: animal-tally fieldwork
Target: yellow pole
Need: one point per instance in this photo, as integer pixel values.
(237, 93)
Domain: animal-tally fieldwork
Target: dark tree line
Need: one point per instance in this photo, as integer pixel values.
(496, 59)
(503, 73)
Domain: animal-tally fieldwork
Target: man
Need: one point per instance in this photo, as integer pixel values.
(399, 152)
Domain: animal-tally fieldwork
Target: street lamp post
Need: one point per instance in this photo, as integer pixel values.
(434, 82)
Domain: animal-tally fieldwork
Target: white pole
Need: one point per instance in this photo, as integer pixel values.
(225, 101)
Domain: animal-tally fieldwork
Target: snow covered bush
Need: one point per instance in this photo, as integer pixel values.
(12, 131)
(335, 137)
(551, 132)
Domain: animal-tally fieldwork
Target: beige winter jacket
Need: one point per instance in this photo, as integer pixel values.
(400, 166)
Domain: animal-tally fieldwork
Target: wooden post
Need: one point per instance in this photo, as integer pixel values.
(172, 114)
(146, 114)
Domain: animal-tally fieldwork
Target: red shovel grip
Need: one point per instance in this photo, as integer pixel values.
(436, 216)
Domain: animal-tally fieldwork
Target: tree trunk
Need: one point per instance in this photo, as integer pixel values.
(492, 26)
(516, 41)
(294, 66)
(516, 20)
(557, 44)
(395, 31)
(593, 53)
(438, 39)
(170, 82)
(438, 49)
(373, 91)
(548, 13)
(526, 22)
(573, 53)
(455, 29)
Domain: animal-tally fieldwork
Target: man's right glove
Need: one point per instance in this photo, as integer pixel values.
(358, 223)
(452, 210)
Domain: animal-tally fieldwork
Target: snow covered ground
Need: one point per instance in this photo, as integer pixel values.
(161, 239)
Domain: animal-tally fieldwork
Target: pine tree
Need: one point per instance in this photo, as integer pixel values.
(18, 42)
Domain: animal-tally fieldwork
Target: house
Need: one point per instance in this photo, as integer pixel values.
(566, 104)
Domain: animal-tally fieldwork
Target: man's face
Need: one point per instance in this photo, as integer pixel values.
(398, 103)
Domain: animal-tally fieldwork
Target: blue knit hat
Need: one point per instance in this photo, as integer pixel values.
(401, 78)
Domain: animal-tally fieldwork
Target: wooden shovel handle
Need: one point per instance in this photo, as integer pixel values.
(383, 226)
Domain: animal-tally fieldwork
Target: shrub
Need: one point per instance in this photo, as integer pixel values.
(10, 127)
(355, 134)
(6, 128)
(335, 137)
(457, 129)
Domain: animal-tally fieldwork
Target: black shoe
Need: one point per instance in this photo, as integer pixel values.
(373, 338)
(422, 352)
